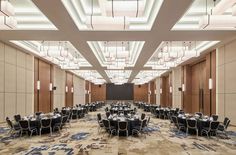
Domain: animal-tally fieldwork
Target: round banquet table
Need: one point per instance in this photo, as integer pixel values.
(201, 123)
(35, 122)
(132, 122)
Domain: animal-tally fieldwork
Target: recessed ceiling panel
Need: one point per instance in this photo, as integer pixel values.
(61, 53)
(118, 76)
(29, 17)
(209, 15)
(145, 76)
(116, 54)
(172, 53)
(116, 15)
(90, 75)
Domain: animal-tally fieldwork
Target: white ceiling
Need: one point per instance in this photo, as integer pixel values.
(62, 27)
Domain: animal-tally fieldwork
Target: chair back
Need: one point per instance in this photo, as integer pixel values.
(199, 113)
(99, 117)
(214, 125)
(17, 118)
(106, 123)
(122, 125)
(108, 114)
(46, 122)
(74, 112)
(38, 113)
(9, 123)
(227, 124)
(148, 120)
(24, 124)
(144, 123)
(191, 123)
(64, 119)
(143, 116)
(225, 121)
(215, 117)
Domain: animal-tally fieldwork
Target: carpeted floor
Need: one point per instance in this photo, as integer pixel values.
(82, 138)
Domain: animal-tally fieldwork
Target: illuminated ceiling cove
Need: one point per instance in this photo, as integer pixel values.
(128, 15)
(117, 55)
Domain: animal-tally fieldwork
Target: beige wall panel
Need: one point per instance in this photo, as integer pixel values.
(230, 77)
(21, 59)
(1, 52)
(10, 78)
(221, 79)
(29, 104)
(10, 55)
(230, 50)
(10, 104)
(1, 76)
(230, 107)
(221, 56)
(29, 62)
(29, 81)
(221, 106)
(2, 117)
(21, 104)
(21, 80)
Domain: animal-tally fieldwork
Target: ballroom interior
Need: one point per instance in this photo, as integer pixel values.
(117, 77)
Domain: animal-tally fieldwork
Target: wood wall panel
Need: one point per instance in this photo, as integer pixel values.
(141, 92)
(197, 96)
(98, 92)
(87, 96)
(152, 95)
(187, 94)
(43, 97)
(164, 91)
(69, 93)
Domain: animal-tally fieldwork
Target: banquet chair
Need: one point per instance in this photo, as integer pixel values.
(13, 128)
(139, 129)
(148, 121)
(74, 114)
(100, 122)
(191, 124)
(45, 124)
(215, 117)
(38, 113)
(178, 125)
(213, 127)
(199, 114)
(161, 113)
(143, 115)
(223, 127)
(25, 127)
(17, 118)
(59, 124)
(108, 127)
(108, 114)
(123, 126)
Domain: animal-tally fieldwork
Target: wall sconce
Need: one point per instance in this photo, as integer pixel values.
(66, 89)
(183, 87)
(210, 83)
(170, 89)
(149, 92)
(50, 86)
(161, 91)
(155, 91)
(72, 89)
(38, 85)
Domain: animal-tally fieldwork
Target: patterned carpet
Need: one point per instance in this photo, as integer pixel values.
(83, 138)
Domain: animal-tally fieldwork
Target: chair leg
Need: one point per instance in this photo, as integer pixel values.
(187, 132)
(50, 131)
(40, 131)
(197, 132)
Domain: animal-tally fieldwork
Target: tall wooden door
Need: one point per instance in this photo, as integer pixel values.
(69, 90)
(43, 96)
(198, 87)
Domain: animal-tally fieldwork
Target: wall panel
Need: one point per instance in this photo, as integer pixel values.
(141, 92)
(15, 77)
(98, 92)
